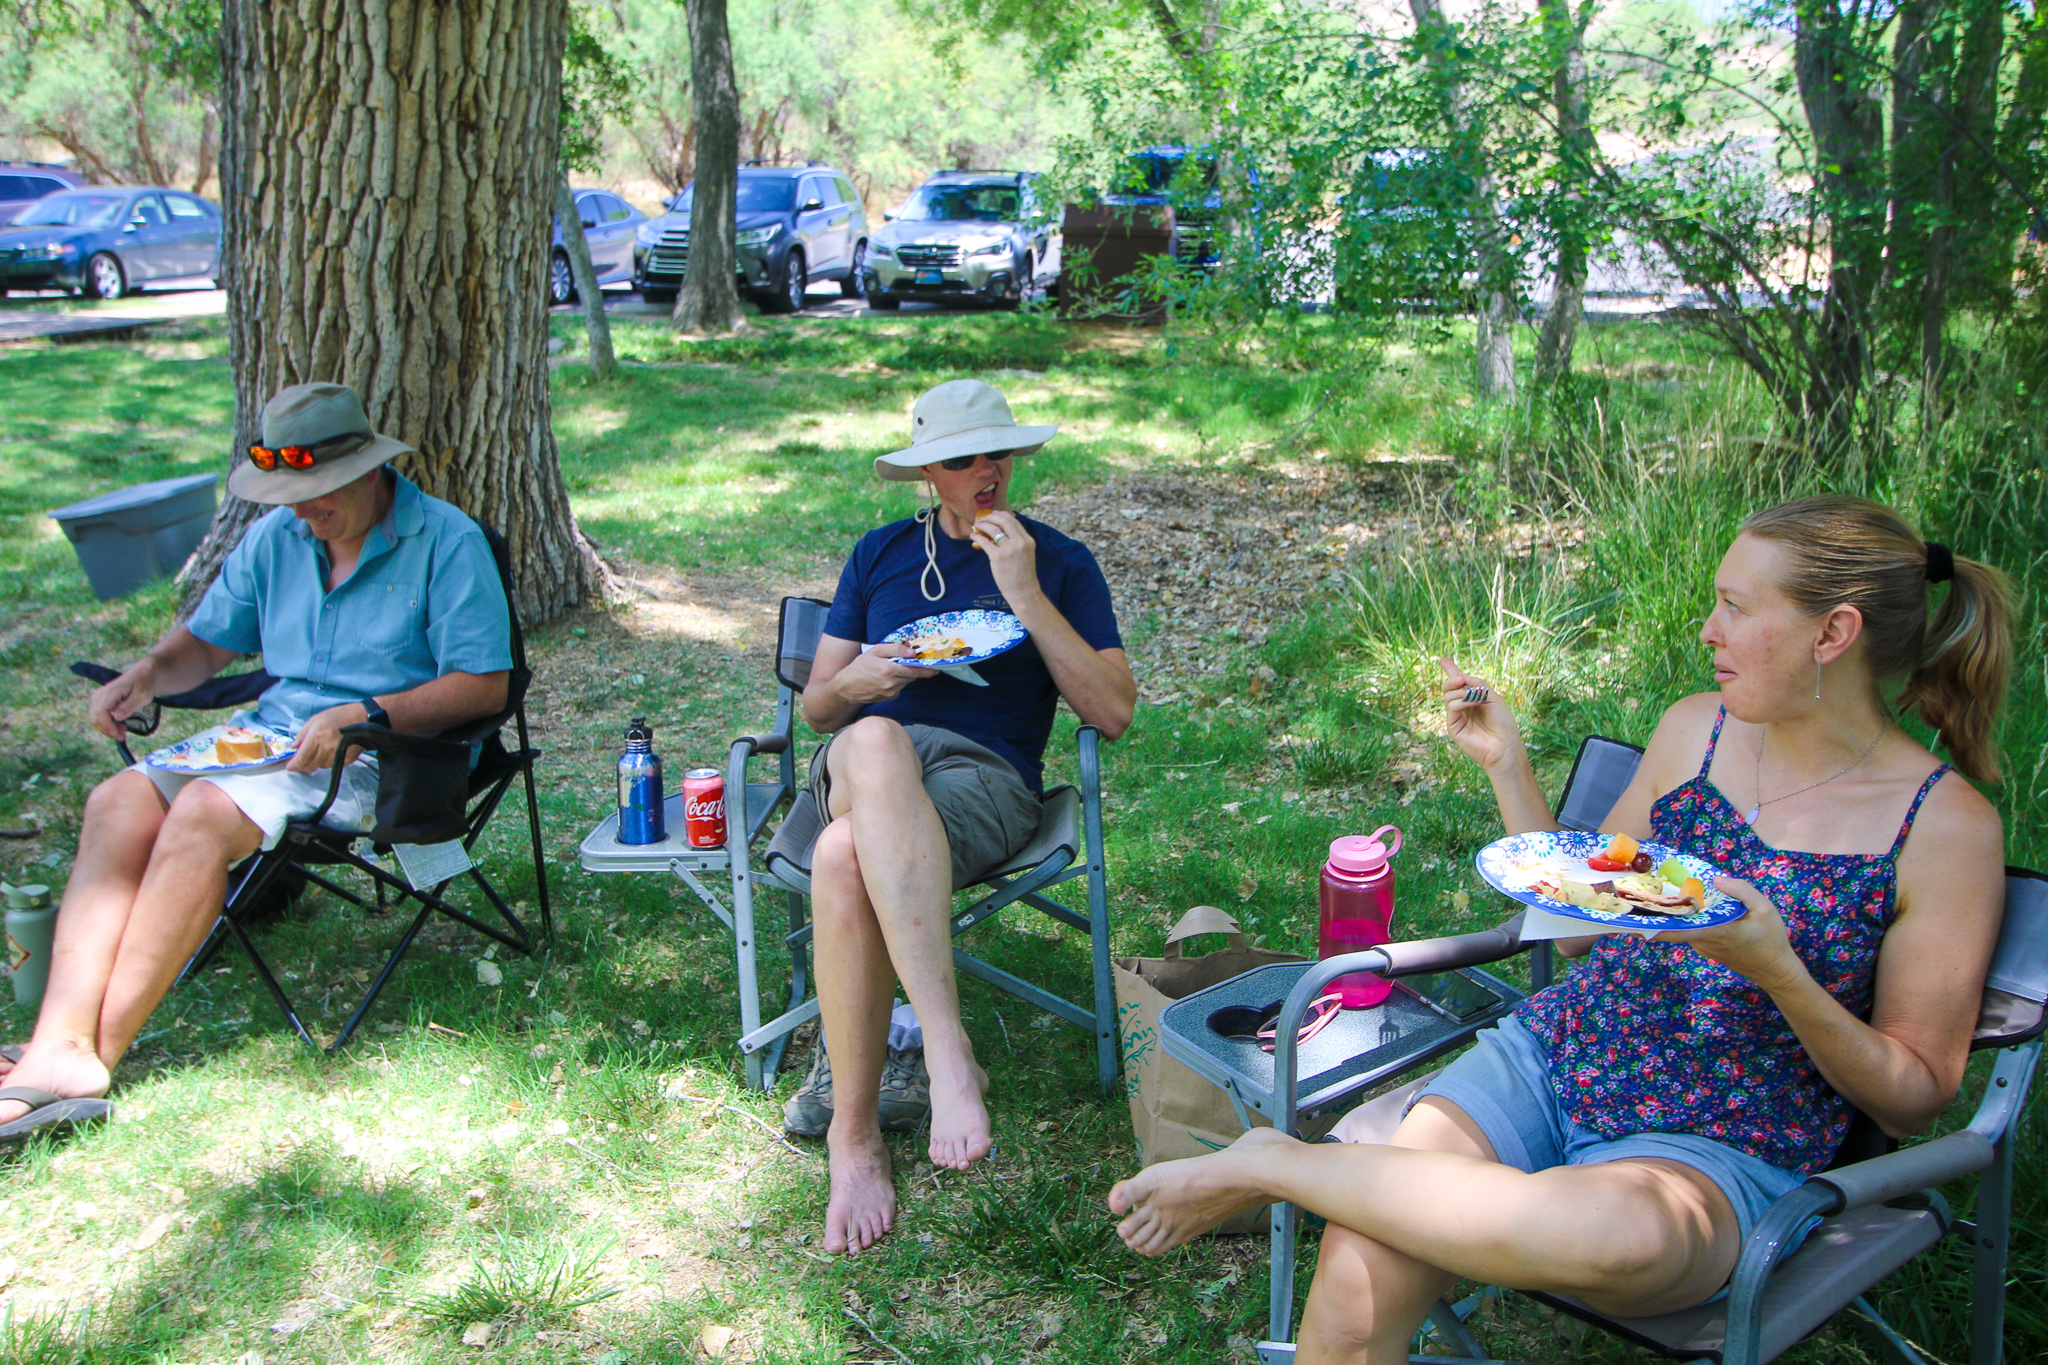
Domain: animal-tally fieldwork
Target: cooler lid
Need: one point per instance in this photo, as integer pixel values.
(127, 499)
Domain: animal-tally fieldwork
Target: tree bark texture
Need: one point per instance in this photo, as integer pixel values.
(596, 325)
(709, 300)
(1847, 121)
(1575, 162)
(1495, 369)
(388, 173)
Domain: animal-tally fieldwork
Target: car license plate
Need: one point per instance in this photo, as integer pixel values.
(931, 276)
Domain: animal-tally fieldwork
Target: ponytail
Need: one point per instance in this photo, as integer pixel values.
(1961, 684)
(1844, 551)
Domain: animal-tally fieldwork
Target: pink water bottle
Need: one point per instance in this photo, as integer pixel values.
(1358, 909)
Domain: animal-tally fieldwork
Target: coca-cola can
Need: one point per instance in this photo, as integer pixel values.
(704, 807)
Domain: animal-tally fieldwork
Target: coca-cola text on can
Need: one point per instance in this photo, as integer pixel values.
(704, 807)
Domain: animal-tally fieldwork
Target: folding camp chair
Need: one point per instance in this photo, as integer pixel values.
(429, 792)
(1876, 1213)
(1069, 825)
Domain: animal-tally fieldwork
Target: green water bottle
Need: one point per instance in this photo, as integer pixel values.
(31, 934)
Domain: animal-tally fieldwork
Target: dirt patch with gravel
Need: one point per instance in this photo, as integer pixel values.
(1201, 563)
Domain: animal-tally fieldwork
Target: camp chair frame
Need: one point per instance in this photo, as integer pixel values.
(1067, 847)
(1876, 1214)
(307, 844)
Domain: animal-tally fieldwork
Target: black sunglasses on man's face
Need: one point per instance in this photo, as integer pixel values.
(960, 462)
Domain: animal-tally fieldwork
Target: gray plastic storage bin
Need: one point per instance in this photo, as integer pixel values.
(134, 536)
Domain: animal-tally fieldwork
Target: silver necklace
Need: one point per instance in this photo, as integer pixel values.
(1757, 809)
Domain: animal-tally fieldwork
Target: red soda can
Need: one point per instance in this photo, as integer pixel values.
(704, 807)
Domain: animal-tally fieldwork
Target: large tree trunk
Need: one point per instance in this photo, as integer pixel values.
(576, 247)
(1575, 165)
(1847, 120)
(710, 296)
(387, 176)
(1495, 369)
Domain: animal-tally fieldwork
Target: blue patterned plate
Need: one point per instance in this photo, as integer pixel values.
(1512, 865)
(982, 634)
(195, 755)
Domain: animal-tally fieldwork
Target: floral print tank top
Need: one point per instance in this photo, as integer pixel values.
(1652, 1037)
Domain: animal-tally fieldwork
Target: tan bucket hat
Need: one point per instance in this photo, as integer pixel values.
(959, 417)
(327, 422)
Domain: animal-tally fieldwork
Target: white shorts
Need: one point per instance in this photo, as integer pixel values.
(272, 799)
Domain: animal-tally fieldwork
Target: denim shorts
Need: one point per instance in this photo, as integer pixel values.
(1503, 1082)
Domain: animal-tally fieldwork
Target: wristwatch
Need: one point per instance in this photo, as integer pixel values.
(377, 715)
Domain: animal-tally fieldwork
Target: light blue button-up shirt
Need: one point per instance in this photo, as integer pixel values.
(424, 601)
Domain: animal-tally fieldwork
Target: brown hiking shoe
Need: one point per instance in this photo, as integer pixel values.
(904, 1102)
(808, 1113)
(906, 1099)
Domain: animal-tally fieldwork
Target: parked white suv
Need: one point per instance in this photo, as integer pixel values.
(964, 237)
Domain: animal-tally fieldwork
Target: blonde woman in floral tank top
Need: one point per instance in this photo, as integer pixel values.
(1619, 1136)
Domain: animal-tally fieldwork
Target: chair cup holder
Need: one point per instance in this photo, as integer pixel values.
(1241, 1023)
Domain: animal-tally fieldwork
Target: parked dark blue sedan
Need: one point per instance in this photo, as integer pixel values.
(107, 241)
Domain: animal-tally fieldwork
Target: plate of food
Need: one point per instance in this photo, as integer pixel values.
(955, 639)
(1608, 879)
(225, 749)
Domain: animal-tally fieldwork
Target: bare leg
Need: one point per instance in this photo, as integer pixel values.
(854, 986)
(1368, 1299)
(1638, 1236)
(112, 965)
(906, 870)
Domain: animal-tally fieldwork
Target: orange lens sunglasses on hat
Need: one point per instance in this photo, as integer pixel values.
(267, 458)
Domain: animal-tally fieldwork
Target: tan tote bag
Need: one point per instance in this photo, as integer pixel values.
(1174, 1112)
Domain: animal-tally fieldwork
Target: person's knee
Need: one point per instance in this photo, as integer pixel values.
(125, 799)
(872, 749)
(835, 859)
(204, 820)
(1636, 1233)
(1353, 1275)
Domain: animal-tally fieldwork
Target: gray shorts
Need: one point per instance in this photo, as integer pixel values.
(987, 810)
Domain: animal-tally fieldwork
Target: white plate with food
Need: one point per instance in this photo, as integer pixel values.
(954, 641)
(225, 749)
(1608, 880)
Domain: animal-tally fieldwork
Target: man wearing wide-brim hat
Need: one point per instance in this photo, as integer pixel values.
(369, 602)
(931, 778)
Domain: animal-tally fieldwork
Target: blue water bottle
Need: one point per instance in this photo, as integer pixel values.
(640, 819)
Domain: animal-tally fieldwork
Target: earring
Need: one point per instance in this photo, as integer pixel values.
(1816, 681)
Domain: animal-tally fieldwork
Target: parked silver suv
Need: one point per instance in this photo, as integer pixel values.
(964, 237)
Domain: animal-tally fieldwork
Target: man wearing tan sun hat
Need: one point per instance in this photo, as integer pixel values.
(369, 601)
(929, 780)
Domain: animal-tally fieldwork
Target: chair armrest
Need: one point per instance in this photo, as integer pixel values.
(214, 694)
(422, 783)
(1908, 1170)
(763, 744)
(1427, 955)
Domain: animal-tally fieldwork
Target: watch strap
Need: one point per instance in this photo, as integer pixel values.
(376, 714)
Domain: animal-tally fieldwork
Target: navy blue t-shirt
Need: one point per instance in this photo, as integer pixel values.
(878, 591)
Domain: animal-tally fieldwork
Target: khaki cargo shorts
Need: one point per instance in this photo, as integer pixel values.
(987, 810)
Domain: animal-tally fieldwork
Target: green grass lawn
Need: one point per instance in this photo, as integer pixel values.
(569, 1156)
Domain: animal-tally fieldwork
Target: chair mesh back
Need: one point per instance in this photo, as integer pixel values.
(1600, 774)
(803, 622)
(2015, 992)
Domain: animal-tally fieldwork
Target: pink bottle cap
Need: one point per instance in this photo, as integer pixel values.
(1364, 852)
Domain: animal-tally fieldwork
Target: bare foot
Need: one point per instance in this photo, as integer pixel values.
(1175, 1202)
(66, 1068)
(863, 1203)
(960, 1133)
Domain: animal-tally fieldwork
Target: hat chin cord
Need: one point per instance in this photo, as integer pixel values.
(930, 517)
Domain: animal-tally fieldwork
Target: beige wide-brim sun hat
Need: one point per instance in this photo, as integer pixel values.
(959, 417)
(320, 417)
